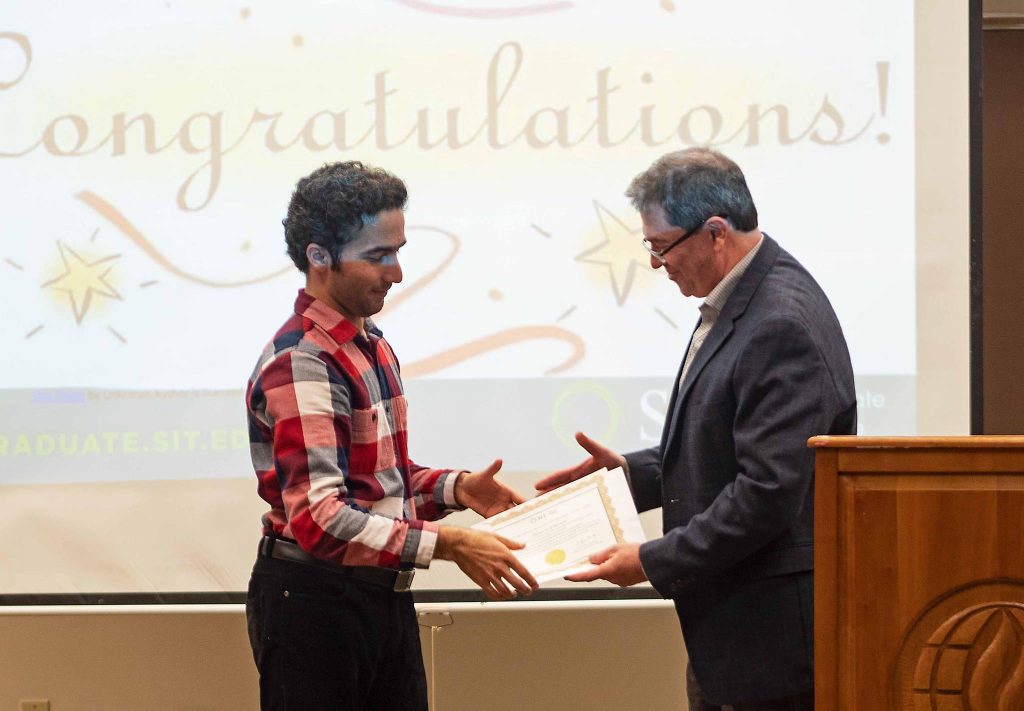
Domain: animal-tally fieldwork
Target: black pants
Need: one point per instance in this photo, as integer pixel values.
(800, 702)
(324, 641)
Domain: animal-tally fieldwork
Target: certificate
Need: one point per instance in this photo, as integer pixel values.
(564, 527)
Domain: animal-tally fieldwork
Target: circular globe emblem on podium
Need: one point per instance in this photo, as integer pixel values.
(965, 652)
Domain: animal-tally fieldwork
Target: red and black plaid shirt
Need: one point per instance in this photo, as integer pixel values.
(327, 427)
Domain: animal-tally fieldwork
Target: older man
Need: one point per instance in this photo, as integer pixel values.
(766, 368)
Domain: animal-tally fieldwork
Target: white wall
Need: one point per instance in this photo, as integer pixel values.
(536, 656)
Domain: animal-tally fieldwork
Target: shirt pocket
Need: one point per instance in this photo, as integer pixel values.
(373, 445)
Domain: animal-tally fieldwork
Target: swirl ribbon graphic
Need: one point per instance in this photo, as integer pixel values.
(114, 216)
(484, 12)
(424, 366)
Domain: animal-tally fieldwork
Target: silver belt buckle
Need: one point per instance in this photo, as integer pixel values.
(403, 583)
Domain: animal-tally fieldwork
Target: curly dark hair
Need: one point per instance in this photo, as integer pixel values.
(331, 204)
(693, 185)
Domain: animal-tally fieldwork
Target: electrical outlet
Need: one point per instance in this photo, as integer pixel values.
(35, 705)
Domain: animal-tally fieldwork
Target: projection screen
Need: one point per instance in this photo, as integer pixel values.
(149, 149)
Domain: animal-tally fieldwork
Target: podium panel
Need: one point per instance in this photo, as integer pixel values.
(919, 573)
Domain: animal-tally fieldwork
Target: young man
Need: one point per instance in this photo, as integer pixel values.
(767, 368)
(331, 618)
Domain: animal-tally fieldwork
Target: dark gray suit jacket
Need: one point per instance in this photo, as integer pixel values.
(735, 478)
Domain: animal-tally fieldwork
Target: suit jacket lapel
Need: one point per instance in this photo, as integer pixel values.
(735, 306)
(673, 411)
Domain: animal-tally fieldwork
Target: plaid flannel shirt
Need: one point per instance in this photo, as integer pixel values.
(327, 428)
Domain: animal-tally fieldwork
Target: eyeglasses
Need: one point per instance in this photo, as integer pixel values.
(659, 254)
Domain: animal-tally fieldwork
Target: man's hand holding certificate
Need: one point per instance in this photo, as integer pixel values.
(564, 529)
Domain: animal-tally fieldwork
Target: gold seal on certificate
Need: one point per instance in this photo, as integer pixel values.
(564, 527)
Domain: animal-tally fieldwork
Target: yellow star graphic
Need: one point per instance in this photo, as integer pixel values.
(619, 252)
(82, 279)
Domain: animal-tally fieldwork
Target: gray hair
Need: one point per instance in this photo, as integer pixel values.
(693, 185)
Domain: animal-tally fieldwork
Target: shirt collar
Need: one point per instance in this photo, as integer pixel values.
(337, 326)
(714, 302)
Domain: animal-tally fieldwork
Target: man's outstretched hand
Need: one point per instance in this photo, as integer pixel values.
(481, 492)
(619, 565)
(488, 561)
(600, 458)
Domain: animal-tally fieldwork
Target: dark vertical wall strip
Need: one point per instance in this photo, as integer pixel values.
(1001, 353)
(976, 42)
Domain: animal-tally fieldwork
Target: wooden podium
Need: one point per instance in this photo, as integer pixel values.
(919, 573)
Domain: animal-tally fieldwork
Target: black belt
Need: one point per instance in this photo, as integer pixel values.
(397, 580)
